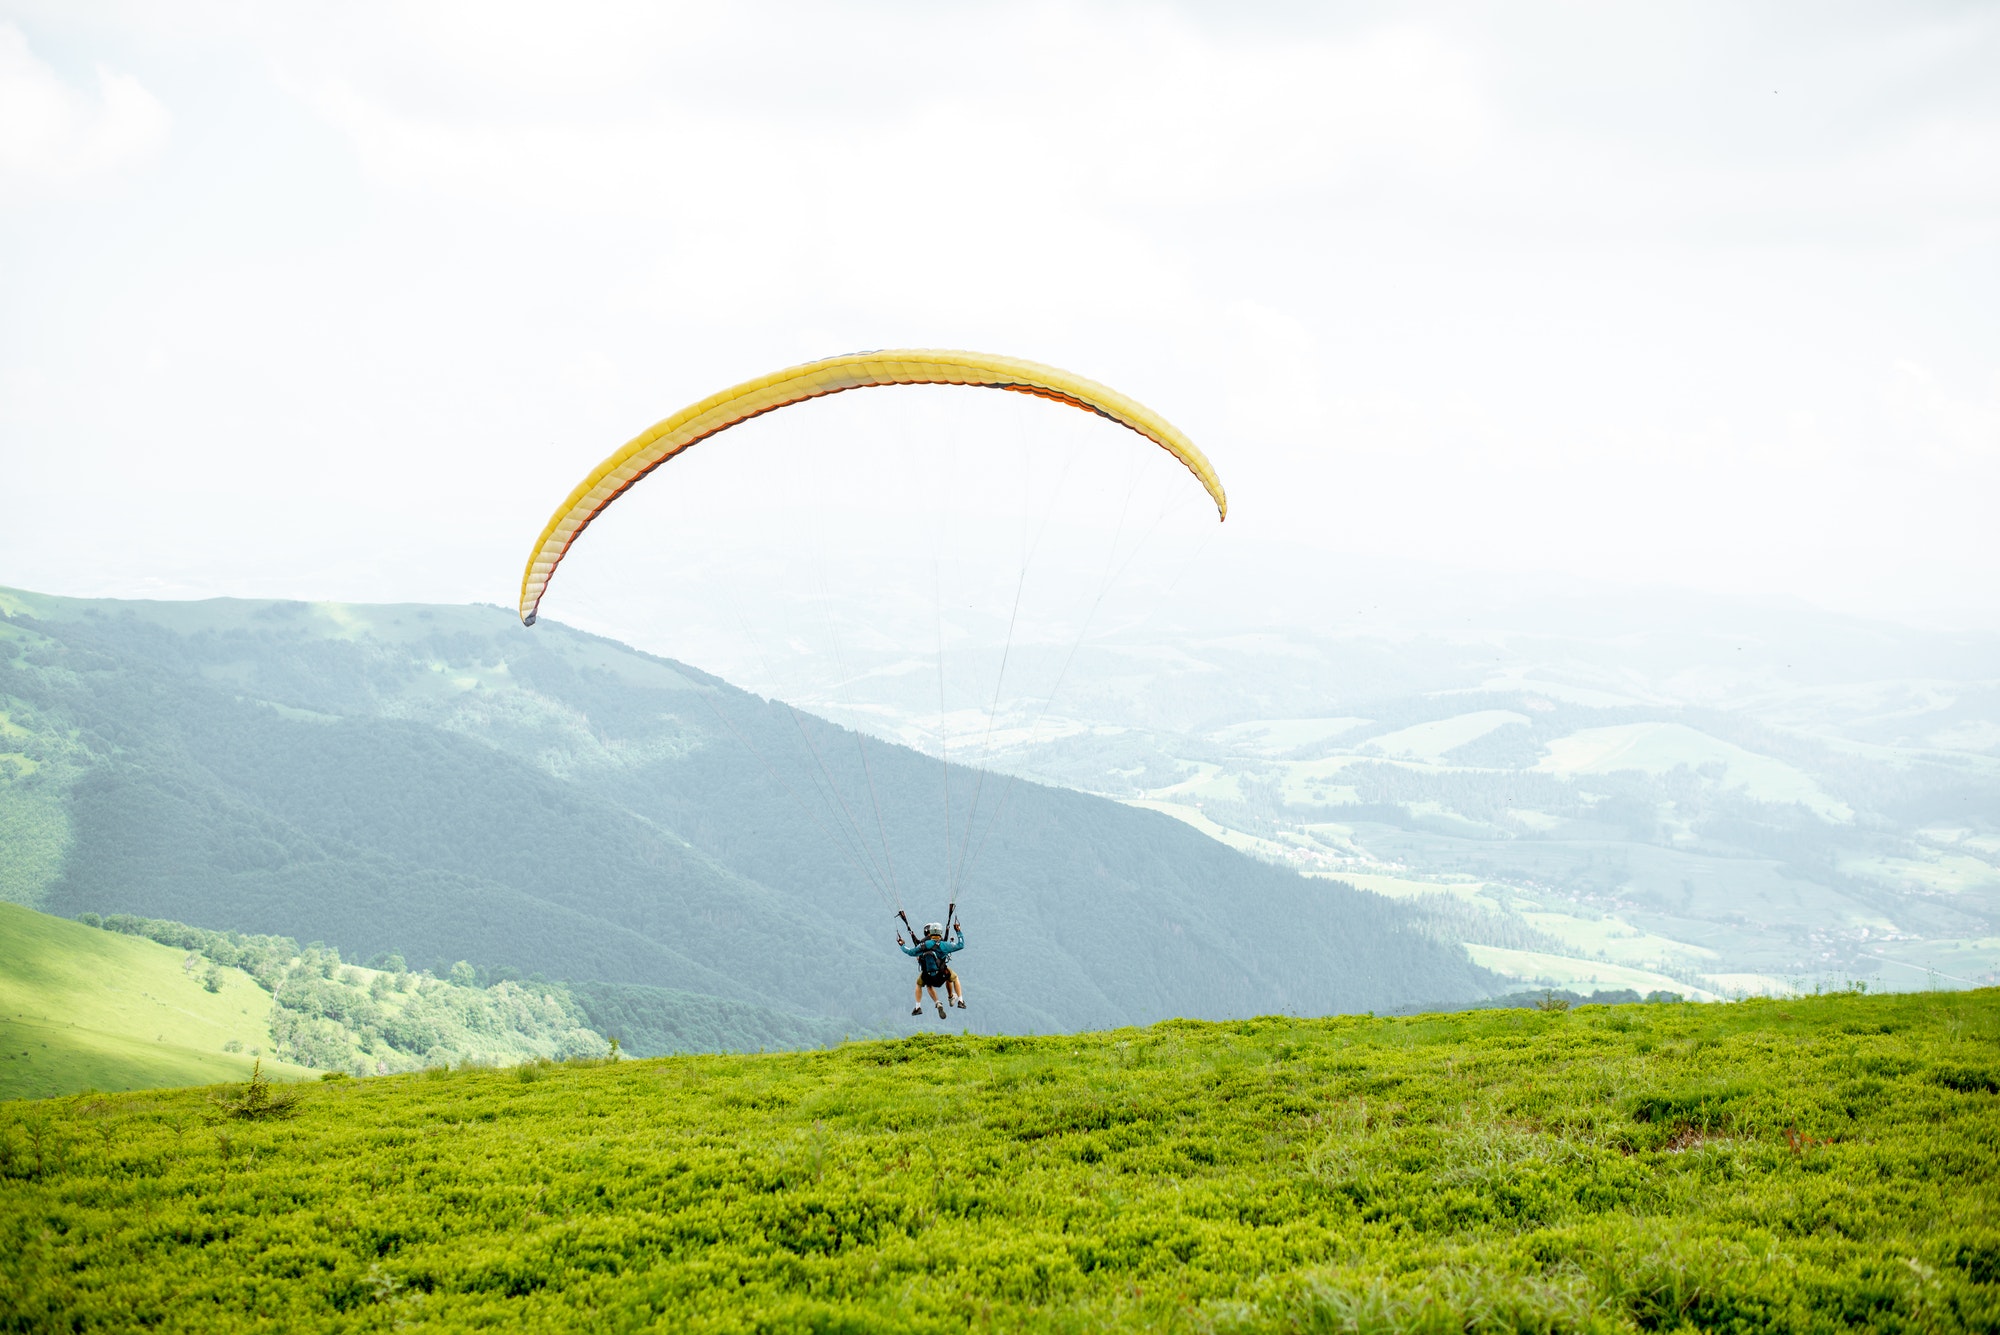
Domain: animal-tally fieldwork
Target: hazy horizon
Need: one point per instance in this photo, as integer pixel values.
(338, 307)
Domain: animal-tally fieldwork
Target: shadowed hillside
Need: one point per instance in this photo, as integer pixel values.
(443, 784)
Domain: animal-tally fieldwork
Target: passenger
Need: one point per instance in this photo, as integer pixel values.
(934, 969)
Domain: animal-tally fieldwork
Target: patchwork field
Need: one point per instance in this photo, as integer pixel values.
(1537, 966)
(1432, 740)
(1660, 748)
(1813, 1164)
(1767, 797)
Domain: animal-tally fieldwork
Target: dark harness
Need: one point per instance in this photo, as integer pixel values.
(931, 959)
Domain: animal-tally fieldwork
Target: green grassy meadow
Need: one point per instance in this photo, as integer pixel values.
(1821, 1163)
(124, 1003)
(85, 1009)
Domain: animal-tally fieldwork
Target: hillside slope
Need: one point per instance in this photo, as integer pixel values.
(133, 1003)
(84, 1009)
(443, 784)
(1730, 793)
(1813, 1164)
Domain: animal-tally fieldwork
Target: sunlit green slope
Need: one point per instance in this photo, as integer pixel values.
(129, 1003)
(1815, 1164)
(84, 1009)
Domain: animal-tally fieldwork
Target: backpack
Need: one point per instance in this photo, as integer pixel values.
(930, 958)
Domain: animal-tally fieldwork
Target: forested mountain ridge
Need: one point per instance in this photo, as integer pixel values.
(441, 783)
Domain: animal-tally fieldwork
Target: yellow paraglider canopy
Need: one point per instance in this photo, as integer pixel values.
(858, 370)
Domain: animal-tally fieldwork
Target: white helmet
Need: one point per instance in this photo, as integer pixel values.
(933, 929)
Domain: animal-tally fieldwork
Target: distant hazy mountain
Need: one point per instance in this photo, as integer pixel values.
(443, 784)
(1613, 788)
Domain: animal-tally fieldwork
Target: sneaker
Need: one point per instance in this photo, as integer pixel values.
(917, 1010)
(959, 1004)
(940, 1010)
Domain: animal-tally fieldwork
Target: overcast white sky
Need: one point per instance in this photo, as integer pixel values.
(339, 300)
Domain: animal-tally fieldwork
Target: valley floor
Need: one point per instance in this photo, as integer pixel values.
(1809, 1164)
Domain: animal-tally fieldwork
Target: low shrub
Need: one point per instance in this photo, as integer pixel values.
(1702, 1167)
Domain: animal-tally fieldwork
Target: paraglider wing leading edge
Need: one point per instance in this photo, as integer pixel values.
(860, 370)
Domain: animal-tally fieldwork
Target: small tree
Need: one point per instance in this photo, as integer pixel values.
(258, 1100)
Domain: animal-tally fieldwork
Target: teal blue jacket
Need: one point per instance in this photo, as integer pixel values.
(947, 946)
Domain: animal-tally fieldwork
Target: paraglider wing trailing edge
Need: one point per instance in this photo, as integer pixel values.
(858, 370)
